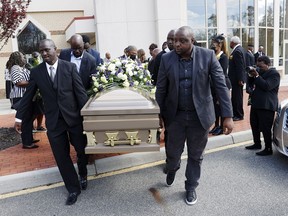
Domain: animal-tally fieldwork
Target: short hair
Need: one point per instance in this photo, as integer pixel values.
(35, 54)
(264, 59)
(235, 39)
(140, 53)
(250, 45)
(130, 48)
(152, 46)
(86, 39)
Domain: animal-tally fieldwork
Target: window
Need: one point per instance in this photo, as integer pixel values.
(241, 20)
(233, 13)
(29, 38)
(202, 18)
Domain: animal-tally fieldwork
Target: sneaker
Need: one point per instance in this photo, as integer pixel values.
(41, 129)
(191, 197)
(170, 178)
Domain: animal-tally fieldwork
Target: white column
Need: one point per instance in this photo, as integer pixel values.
(221, 16)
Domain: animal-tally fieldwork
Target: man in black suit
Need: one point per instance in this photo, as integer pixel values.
(91, 51)
(85, 63)
(237, 77)
(264, 103)
(186, 105)
(249, 57)
(170, 46)
(63, 95)
(259, 53)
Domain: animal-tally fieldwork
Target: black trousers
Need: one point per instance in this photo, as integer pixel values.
(27, 124)
(189, 129)
(237, 101)
(262, 121)
(60, 139)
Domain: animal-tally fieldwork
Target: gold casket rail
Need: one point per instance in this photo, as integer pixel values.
(121, 120)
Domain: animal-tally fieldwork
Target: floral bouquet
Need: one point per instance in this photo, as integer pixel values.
(122, 73)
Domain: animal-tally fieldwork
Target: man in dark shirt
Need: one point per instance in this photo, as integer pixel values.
(170, 46)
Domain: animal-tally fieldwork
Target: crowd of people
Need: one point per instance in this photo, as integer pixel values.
(199, 92)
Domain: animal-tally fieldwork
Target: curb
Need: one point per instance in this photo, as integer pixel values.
(22, 181)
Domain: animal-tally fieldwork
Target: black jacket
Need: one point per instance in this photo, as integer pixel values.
(265, 90)
(65, 97)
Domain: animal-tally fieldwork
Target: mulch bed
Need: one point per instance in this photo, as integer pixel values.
(8, 138)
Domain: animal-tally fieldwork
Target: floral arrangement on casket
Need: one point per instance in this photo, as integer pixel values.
(122, 73)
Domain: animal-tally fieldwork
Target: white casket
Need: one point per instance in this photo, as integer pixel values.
(120, 120)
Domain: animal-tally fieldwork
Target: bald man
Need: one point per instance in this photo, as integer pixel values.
(186, 105)
(85, 63)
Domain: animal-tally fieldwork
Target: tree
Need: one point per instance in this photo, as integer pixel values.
(12, 13)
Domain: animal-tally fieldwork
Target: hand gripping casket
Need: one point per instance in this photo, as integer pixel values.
(121, 120)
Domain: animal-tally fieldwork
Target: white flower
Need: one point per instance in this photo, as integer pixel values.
(153, 90)
(120, 75)
(124, 61)
(124, 77)
(102, 68)
(111, 67)
(126, 83)
(103, 79)
(118, 63)
(128, 71)
(96, 84)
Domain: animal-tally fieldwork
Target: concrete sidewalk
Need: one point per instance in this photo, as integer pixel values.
(21, 181)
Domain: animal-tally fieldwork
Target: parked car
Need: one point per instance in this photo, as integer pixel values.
(280, 129)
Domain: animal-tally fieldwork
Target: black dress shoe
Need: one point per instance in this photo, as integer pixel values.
(35, 140)
(30, 147)
(265, 152)
(72, 198)
(218, 131)
(83, 182)
(237, 118)
(254, 146)
(213, 130)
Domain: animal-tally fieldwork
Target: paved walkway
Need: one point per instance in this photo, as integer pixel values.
(16, 160)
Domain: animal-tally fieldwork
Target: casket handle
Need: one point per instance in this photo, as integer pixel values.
(132, 136)
(112, 137)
